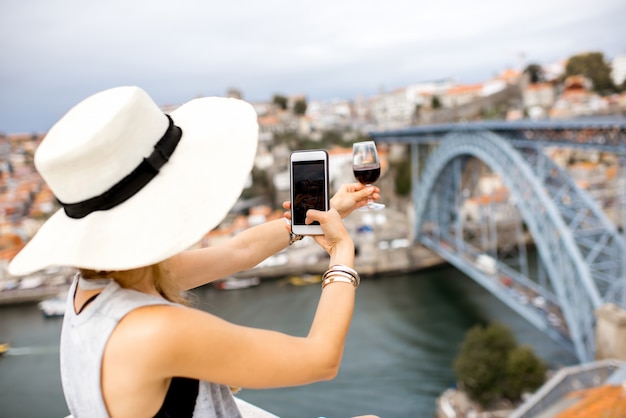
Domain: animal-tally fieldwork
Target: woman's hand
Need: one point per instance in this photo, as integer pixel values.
(352, 196)
(336, 237)
(348, 198)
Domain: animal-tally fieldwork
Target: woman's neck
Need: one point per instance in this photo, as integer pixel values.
(140, 279)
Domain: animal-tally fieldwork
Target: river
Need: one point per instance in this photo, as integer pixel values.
(404, 336)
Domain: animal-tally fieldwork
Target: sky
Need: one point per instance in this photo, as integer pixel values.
(54, 53)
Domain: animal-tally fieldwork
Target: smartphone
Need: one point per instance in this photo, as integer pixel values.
(309, 188)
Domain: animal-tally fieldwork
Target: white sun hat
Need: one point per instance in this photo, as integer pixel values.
(128, 202)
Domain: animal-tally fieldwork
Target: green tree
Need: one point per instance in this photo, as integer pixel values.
(299, 107)
(593, 66)
(280, 101)
(435, 103)
(260, 186)
(235, 93)
(524, 373)
(403, 177)
(491, 366)
(535, 73)
(416, 112)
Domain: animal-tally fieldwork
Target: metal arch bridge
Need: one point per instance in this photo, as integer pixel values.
(580, 261)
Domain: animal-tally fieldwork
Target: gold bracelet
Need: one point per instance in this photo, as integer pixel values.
(334, 279)
(343, 269)
(341, 274)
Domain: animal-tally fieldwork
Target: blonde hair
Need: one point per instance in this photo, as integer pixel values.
(163, 280)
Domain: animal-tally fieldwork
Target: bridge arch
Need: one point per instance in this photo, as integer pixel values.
(568, 272)
(600, 243)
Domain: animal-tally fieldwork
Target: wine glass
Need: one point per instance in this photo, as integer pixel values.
(366, 168)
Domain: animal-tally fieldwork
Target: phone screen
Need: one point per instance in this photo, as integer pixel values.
(308, 189)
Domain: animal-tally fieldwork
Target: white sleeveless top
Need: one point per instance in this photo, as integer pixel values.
(83, 338)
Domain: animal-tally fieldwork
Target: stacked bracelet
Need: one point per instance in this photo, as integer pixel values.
(341, 273)
(292, 237)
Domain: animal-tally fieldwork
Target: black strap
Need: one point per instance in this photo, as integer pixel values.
(132, 183)
(87, 302)
(180, 400)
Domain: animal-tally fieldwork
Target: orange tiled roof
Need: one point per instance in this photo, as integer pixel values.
(465, 88)
(9, 253)
(509, 74)
(539, 86)
(607, 401)
(10, 245)
(337, 150)
(584, 165)
(268, 120)
(497, 197)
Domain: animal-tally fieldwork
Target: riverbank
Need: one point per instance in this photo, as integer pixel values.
(38, 294)
(369, 262)
(35, 287)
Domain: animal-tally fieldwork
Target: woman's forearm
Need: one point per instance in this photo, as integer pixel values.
(334, 312)
(259, 242)
(242, 252)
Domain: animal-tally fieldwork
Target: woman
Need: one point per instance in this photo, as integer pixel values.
(137, 189)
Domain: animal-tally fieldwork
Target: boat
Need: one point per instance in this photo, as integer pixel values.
(233, 283)
(30, 282)
(304, 280)
(53, 307)
(4, 348)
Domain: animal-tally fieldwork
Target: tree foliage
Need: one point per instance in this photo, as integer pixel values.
(435, 103)
(525, 372)
(593, 66)
(299, 107)
(261, 185)
(535, 73)
(403, 177)
(491, 366)
(280, 101)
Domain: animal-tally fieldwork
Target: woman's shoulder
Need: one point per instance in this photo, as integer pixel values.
(159, 338)
(160, 321)
(147, 332)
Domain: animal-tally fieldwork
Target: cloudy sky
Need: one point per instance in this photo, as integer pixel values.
(56, 52)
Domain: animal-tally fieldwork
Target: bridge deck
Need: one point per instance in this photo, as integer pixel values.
(608, 134)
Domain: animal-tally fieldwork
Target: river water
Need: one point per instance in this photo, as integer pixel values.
(404, 336)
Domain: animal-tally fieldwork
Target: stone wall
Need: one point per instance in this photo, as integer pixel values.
(610, 332)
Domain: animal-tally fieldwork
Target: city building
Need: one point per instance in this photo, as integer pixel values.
(577, 100)
(538, 99)
(618, 71)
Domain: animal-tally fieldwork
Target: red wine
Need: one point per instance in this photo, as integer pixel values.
(367, 175)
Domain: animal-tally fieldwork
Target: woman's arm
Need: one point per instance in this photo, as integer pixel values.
(247, 249)
(162, 341)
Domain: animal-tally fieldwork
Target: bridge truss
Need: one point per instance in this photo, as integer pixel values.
(578, 264)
